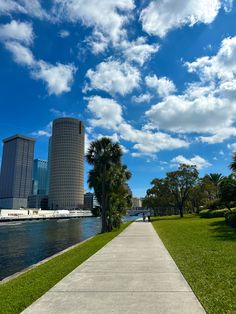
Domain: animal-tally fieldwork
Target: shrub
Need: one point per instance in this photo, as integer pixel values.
(214, 204)
(207, 213)
(230, 218)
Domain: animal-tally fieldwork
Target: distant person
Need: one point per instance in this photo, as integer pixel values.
(149, 216)
(144, 216)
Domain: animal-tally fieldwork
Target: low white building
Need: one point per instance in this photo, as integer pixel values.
(136, 202)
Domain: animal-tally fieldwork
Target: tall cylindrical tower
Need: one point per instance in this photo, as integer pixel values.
(66, 182)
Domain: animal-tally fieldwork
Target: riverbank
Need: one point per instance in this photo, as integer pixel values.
(11, 215)
(20, 292)
(205, 252)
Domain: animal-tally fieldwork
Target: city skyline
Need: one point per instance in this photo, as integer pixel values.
(164, 88)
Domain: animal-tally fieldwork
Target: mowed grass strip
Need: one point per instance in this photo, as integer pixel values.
(205, 252)
(22, 291)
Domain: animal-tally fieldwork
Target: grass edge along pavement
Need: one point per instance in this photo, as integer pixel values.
(20, 292)
(205, 252)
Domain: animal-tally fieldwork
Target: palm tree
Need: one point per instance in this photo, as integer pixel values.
(119, 197)
(233, 163)
(102, 154)
(215, 179)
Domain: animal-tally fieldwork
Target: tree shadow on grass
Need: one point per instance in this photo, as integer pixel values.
(222, 231)
(174, 217)
(161, 218)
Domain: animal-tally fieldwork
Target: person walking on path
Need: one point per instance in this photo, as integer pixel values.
(144, 216)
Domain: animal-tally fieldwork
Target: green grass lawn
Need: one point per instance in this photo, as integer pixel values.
(20, 292)
(205, 252)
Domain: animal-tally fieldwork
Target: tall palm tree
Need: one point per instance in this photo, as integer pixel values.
(233, 163)
(102, 154)
(215, 179)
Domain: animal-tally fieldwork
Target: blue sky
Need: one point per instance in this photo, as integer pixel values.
(158, 76)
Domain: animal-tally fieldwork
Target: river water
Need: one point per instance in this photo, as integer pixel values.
(23, 244)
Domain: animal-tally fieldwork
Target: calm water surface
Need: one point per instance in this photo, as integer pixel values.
(25, 243)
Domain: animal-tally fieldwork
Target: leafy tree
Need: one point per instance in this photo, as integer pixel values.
(158, 197)
(209, 188)
(180, 183)
(228, 191)
(197, 197)
(233, 163)
(107, 178)
(119, 198)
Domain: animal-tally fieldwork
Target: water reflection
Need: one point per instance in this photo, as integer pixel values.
(25, 243)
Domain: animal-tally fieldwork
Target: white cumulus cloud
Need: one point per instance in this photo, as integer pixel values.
(197, 161)
(163, 86)
(221, 66)
(29, 7)
(206, 107)
(142, 98)
(17, 31)
(105, 16)
(138, 51)
(113, 76)
(58, 78)
(107, 114)
(21, 54)
(162, 16)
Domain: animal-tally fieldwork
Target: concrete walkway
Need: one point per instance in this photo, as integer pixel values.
(133, 273)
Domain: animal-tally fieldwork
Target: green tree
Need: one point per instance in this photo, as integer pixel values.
(215, 179)
(180, 183)
(228, 191)
(158, 197)
(197, 197)
(233, 163)
(119, 199)
(107, 178)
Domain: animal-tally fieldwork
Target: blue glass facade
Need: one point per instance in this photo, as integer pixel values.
(40, 177)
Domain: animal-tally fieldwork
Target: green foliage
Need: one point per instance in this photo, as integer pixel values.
(215, 179)
(208, 213)
(96, 211)
(22, 291)
(205, 252)
(214, 204)
(158, 197)
(228, 191)
(180, 183)
(233, 163)
(230, 218)
(108, 178)
(173, 192)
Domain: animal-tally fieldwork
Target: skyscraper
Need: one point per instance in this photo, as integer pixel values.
(16, 171)
(66, 182)
(40, 177)
(90, 201)
(49, 162)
